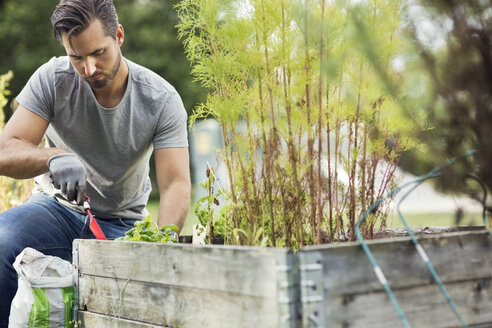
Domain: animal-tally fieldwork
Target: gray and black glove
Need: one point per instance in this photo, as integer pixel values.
(69, 175)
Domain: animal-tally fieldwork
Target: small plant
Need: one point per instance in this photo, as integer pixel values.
(205, 208)
(75, 324)
(146, 230)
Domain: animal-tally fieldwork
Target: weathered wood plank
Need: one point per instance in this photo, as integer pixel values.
(95, 320)
(175, 306)
(424, 306)
(455, 257)
(246, 270)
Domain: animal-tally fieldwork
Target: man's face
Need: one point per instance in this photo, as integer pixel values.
(95, 56)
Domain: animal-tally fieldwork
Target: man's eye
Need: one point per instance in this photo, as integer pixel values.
(99, 53)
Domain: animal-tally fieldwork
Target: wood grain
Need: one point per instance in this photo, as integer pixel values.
(175, 306)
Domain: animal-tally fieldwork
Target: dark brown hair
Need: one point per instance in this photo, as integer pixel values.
(73, 16)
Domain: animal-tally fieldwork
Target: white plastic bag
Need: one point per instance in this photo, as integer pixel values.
(44, 296)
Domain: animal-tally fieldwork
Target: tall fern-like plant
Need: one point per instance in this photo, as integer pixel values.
(311, 134)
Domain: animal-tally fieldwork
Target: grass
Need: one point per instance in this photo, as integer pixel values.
(153, 206)
(413, 219)
(434, 219)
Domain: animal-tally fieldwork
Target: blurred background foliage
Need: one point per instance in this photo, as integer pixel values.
(447, 67)
(27, 41)
(12, 192)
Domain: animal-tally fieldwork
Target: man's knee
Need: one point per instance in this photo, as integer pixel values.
(8, 276)
(40, 223)
(8, 244)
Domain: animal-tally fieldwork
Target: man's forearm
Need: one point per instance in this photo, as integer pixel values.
(174, 204)
(20, 159)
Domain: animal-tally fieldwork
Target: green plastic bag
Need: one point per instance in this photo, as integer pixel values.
(44, 296)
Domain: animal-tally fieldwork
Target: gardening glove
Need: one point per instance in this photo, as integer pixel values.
(69, 175)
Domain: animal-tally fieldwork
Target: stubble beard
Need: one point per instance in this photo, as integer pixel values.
(107, 78)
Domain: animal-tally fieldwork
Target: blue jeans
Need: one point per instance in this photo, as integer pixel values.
(48, 226)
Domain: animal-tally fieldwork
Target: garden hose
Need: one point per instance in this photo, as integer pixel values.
(484, 199)
(375, 266)
(436, 172)
(424, 256)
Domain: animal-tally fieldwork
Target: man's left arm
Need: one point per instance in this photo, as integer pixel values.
(173, 179)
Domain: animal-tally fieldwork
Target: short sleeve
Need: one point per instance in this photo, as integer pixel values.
(171, 130)
(38, 95)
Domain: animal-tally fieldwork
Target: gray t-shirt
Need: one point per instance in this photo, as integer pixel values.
(115, 144)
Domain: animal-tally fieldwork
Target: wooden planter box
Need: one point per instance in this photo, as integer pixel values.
(135, 284)
(130, 284)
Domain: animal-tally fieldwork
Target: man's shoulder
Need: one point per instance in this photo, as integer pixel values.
(60, 65)
(143, 77)
(56, 71)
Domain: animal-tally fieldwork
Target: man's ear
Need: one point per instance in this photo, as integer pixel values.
(120, 35)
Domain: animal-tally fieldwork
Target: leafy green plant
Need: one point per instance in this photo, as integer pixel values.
(12, 192)
(254, 238)
(146, 230)
(211, 222)
(312, 134)
(75, 323)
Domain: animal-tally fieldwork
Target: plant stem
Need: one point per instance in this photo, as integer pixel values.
(210, 194)
(310, 141)
(267, 169)
(328, 147)
(293, 158)
(353, 201)
(320, 127)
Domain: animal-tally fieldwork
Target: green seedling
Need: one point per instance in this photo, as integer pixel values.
(146, 230)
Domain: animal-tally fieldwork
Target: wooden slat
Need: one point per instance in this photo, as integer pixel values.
(353, 297)
(246, 270)
(175, 306)
(424, 306)
(95, 320)
(455, 257)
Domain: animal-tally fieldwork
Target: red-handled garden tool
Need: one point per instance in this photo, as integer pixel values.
(93, 225)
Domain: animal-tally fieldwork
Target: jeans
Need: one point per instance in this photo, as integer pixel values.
(48, 226)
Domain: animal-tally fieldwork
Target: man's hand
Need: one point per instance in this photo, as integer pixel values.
(69, 175)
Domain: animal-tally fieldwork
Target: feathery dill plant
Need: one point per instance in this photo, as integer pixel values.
(12, 192)
(311, 134)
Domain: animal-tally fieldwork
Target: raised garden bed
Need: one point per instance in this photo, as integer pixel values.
(134, 284)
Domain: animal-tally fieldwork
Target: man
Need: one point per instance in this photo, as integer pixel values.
(101, 116)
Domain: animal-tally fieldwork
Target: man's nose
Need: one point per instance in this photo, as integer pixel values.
(89, 66)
